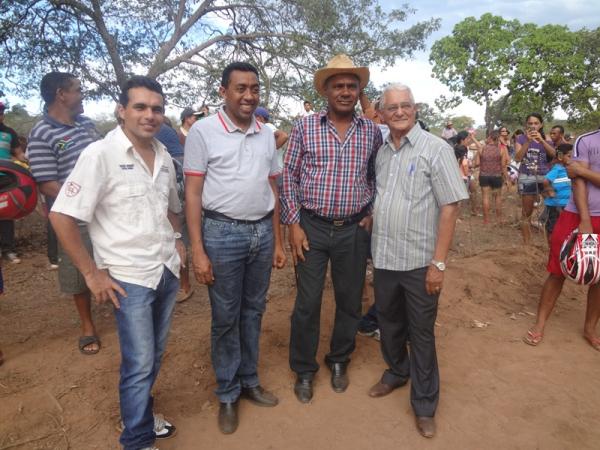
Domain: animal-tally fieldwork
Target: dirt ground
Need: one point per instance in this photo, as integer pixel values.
(496, 392)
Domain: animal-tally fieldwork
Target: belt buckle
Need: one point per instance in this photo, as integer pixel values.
(338, 223)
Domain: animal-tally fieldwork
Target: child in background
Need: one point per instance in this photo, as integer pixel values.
(557, 187)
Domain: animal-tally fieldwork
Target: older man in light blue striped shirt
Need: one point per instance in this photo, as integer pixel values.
(418, 190)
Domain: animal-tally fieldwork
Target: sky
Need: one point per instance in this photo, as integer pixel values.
(416, 73)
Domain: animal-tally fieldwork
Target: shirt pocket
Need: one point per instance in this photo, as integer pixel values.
(133, 205)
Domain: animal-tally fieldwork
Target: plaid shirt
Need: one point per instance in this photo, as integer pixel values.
(332, 178)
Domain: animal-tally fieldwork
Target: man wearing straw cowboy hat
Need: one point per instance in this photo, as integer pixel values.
(328, 190)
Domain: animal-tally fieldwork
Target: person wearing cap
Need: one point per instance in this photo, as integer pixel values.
(188, 118)
(232, 212)
(419, 188)
(328, 191)
(9, 142)
(449, 132)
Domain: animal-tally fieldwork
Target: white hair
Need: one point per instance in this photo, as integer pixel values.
(397, 87)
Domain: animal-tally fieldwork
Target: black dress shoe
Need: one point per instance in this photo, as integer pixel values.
(303, 389)
(339, 377)
(228, 417)
(259, 396)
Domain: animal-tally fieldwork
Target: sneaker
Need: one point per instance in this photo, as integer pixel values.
(53, 266)
(13, 258)
(375, 334)
(162, 428)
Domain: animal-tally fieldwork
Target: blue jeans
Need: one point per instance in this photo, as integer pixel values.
(241, 256)
(143, 323)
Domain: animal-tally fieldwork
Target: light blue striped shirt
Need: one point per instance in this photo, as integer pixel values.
(413, 182)
(53, 147)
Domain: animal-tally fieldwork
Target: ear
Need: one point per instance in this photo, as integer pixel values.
(121, 112)
(222, 91)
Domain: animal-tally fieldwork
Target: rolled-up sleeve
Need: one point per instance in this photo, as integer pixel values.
(446, 180)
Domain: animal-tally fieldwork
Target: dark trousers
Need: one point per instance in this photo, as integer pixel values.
(7, 236)
(346, 247)
(405, 310)
(52, 244)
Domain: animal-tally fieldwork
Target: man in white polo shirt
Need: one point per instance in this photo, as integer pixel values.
(232, 212)
(123, 186)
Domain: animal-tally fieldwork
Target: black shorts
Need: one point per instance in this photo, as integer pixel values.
(494, 182)
(553, 213)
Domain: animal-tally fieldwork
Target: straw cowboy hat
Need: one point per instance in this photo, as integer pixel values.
(337, 65)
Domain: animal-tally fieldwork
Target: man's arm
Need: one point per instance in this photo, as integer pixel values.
(193, 214)
(447, 223)
(581, 172)
(278, 252)
(49, 188)
(281, 138)
(98, 281)
(175, 220)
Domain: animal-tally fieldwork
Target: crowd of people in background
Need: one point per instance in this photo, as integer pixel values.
(226, 185)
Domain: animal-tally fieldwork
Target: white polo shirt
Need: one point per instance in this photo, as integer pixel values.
(236, 166)
(112, 189)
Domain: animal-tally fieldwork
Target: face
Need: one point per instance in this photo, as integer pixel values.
(399, 112)
(307, 106)
(342, 93)
(555, 134)
(504, 133)
(189, 121)
(72, 97)
(241, 96)
(533, 123)
(143, 115)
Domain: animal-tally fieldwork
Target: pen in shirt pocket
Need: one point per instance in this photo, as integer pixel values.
(411, 168)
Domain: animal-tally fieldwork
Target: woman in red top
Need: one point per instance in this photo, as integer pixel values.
(493, 160)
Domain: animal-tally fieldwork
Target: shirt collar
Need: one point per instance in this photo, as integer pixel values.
(230, 127)
(411, 136)
(55, 123)
(123, 142)
(356, 119)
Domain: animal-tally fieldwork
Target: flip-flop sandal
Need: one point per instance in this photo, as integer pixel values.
(532, 338)
(84, 341)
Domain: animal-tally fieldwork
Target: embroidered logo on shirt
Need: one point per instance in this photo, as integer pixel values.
(126, 166)
(64, 144)
(72, 189)
(164, 169)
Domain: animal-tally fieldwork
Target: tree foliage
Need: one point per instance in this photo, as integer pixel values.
(515, 68)
(185, 44)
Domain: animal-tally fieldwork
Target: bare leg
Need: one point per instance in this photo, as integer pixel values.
(84, 308)
(497, 195)
(526, 211)
(592, 314)
(473, 197)
(485, 201)
(550, 292)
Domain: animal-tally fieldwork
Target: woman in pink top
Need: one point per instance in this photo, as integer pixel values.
(493, 160)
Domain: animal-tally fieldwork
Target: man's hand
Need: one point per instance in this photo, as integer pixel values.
(180, 247)
(298, 242)
(574, 169)
(434, 280)
(279, 258)
(202, 266)
(103, 287)
(366, 223)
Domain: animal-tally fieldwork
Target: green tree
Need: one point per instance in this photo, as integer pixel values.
(511, 67)
(185, 44)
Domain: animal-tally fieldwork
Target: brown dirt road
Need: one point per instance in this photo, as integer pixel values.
(496, 392)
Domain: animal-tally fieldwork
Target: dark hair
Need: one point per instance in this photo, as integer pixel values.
(52, 82)
(494, 134)
(461, 136)
(460, 151)
(518, 132)
(241, 66)
(560, 127)
(307, 101)
(564, 148)
(503, 128)
(139, 81)
(538, 116)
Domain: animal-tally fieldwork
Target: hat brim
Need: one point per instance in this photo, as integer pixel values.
(322, 75)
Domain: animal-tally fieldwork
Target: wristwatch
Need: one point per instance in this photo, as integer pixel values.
(440, 265)
(177, 235)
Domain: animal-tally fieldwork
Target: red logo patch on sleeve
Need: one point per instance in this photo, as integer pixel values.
(72, 189)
